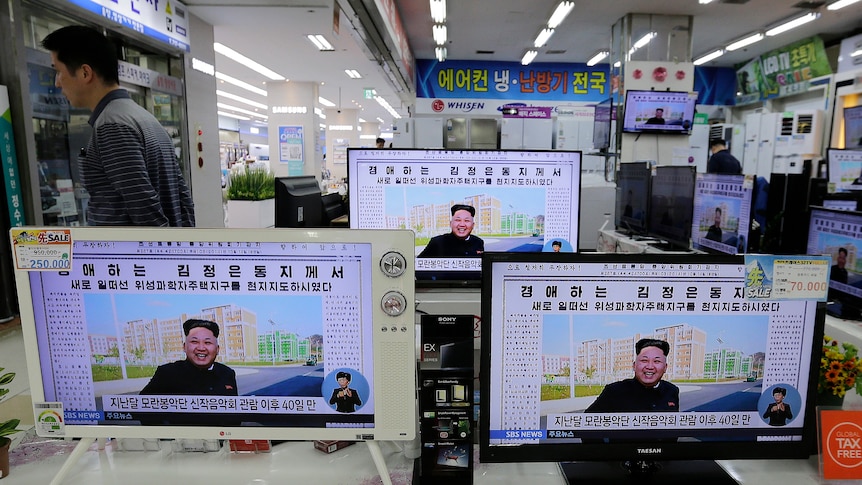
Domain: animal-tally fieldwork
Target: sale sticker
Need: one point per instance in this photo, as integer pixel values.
(769, 277)
(841, 444)
(42, 249)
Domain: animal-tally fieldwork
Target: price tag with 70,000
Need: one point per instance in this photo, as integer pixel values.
(770, 277)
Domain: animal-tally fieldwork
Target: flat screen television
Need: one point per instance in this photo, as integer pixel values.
(632, 197)
(295, 311)
(602, 116)
(671, 205)
(664, 112)
(853, 127)
(838, 233)
(298, 202)
(559, 331)
(523, 201)
(722, 212)
(844, 170)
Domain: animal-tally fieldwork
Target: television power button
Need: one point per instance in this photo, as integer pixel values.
(393, 303)
(393, 264)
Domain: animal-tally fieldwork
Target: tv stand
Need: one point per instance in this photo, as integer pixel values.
(683, 472)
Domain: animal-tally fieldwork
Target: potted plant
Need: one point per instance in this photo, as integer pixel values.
(251, 198)
(6, 427)
(840, 371)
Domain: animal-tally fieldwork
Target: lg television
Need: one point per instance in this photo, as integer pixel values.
(671, 205)
(722, 212)
(557, 330)
(298, 202)
(844, 170)
(524, 201)
(838, 233)
(663, 112)
(633, 197)
(853, 127)
(602, 116)
(103, 308)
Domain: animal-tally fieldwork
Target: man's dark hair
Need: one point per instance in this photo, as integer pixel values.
(716, 141)
(380, 140)
(718, 209)
(780, 390)
(77, 45)
(463, 207)
(557, 243)
(652, 342)
(191, 323)
(842, 250)
(343, 374)
(659, 109)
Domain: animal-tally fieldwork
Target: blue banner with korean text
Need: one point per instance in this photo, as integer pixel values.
(510, 80)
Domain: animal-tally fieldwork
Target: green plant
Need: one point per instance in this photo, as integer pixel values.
(840, 368)
(251, 184)
(7, 427)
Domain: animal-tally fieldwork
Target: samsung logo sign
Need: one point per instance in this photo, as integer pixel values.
(649, 451)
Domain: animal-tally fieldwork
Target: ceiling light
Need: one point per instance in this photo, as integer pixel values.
(202, 66)
(528, 57)
(240, 110)
(231, 115)
(751, 39)
(240, 84)
(642, 41)
(353, 73)
(245, 61)
(440, 52)
(380, 119)
(840, 4)
(704, 2)
(320, 42)
(325, 102)
(388, 107)
(618, 64)
(793, 24)
(543, 37)
(439, 32)
(241, 99)
(712, 55)
(560, 13)
(598, 57)
(438, 11)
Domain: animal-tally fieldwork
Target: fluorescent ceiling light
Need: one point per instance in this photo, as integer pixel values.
(560, 14)
(712, 55)
(793, 24)
(528, 57)
(353, 73)
(597, 58)
(704, 2)
(254, 130)
(202, 66)
(380, 119)
(840, 4)
(438, 11)
(751, 39)
(439, 31)
(320, 42)
(240, 110)
(240, 99)
(388, 107)
(240, 84)
(543, 37)
(618, 64)
(325, 102)
(231, 115)
(643, 41)
(367, 137)
(440, 52)
(245, 61)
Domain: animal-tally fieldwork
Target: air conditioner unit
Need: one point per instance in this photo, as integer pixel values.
(799, 136)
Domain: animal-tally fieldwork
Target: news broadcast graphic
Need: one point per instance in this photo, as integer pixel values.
(844, 169)
(522, 200)
(722, 212)
(664, 112)
(292, 322)
(563, 377)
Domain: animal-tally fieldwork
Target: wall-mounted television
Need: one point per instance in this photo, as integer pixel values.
(838, 233)
(853, 127)
(522, 201)
(562, 379)
(722, 212)
(108, 350)
(602, 116)
(632, 197)
(671, 204)
(298, 202)
(664, 112)
(844, 170)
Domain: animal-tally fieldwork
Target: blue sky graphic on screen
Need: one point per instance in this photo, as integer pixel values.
(845, 169)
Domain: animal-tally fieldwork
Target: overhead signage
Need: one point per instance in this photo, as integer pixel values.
(782, 72)
(12, 182)
(530, 112)
(163, 20)
(140, 76)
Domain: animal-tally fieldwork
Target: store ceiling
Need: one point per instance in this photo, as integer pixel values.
(272, 32)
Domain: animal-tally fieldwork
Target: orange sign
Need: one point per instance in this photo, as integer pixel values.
(841, 444)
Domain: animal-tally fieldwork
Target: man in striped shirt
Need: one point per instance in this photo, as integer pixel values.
(129, 167)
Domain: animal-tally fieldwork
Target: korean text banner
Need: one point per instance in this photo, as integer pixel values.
(784, 71)
(511, 80)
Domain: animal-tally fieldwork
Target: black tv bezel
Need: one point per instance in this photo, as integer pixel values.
(853, 302)
(659, 131)
(844, 121)
(619, 223)
(830, 161)
(619, 452)
(609, 105)
(683, 243)
(283, 187)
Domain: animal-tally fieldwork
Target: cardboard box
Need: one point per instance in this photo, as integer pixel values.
(328, 446)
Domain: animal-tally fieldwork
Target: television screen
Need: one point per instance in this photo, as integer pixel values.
(844, 170)
(208, 333)
(722, 212)
(298, 202)
(853, 127)
(641, 357)
(602, 124)
(665, 112)
(671, 204)
(632, 197)
(838, 233)
(516, 201)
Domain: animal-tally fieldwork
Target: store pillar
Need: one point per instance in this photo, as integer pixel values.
(342, 131)
(293, 129)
